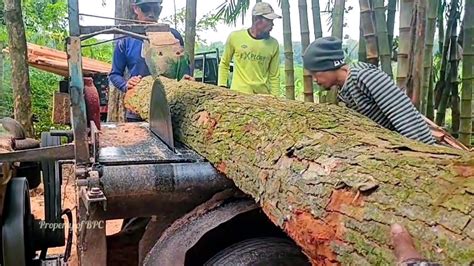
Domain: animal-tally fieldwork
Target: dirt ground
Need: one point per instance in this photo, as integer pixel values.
(69, 202)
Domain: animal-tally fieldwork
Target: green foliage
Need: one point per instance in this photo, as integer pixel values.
(208, 22)
(92, 48)
(45, 22)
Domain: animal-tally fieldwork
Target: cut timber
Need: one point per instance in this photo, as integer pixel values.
(332, 179)
(54, 61)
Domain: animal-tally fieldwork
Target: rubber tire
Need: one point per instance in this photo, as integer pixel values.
(260, 251)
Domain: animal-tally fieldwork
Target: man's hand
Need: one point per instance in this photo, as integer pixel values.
(404, 248)
(188, 77)
(133, 81)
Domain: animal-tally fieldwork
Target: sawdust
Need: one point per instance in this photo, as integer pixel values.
(316, 234)
(123, 134)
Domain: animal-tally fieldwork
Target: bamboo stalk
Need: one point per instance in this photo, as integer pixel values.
(368, 28)
(406, 8)
(288, 47)
(440, 24)
(337, 31)
(362, 48)
(307, 79)
(190, 37)
(428, 58)
(414, 82)
(318, 33)
(444, 86)
(391, 13)
(430, 103)
(382, 37)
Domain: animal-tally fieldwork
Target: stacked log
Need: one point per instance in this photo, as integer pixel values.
(333, 180)
(55, 61)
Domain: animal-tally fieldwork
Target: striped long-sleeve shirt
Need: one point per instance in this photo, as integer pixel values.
(373, 93)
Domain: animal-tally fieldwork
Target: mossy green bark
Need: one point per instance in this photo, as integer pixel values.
(332, 179)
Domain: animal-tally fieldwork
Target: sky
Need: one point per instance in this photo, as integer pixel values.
(106, 8)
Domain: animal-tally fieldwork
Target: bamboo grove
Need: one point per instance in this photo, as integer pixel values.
(439, 82)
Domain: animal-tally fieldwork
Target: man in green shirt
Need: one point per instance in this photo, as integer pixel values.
(255, 54)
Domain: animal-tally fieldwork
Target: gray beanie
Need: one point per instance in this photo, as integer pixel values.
(324, 54)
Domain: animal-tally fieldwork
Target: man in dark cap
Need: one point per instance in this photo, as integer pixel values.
(128, 53)
(366, 89)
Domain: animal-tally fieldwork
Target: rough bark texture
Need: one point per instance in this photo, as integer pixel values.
(333, 180)
(20, 77)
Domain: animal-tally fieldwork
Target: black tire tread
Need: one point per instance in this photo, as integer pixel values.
(245, 253)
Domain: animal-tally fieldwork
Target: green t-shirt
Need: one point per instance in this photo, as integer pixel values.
(256, 64)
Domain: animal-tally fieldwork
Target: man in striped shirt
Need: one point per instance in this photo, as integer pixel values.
(365, 89)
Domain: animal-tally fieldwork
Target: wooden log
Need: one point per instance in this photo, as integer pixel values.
(333, 180)
(55, 61)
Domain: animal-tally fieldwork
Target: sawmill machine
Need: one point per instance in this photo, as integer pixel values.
(126, 170)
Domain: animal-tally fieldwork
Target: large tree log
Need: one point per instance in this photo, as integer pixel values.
(332, 179)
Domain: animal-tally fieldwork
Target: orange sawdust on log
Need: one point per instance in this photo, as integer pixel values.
(204, 119)
(465, 170)
(316, 234)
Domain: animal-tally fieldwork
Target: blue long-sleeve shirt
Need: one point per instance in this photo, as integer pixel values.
(127, 56)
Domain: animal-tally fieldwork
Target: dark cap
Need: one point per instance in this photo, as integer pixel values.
(139, 2)
(324, 54)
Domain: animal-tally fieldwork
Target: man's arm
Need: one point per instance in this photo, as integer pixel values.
(119, 63)
(395, 105)
(274, 73)
(224, 66)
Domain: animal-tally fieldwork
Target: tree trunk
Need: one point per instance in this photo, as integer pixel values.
(116, 110)
(466, 126)
(18, 55)
(382, 37)
(304, 27)
(288, 46)
(428, 58)
(2, 89)
(414, 80)
(190, 36)
(391, 13)
(406, 9)
(332, 180)
(368, 28)
(318, 33)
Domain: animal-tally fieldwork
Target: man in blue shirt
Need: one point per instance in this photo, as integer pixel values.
(128, 53)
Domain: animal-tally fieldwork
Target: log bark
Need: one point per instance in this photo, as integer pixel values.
(333, 180)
